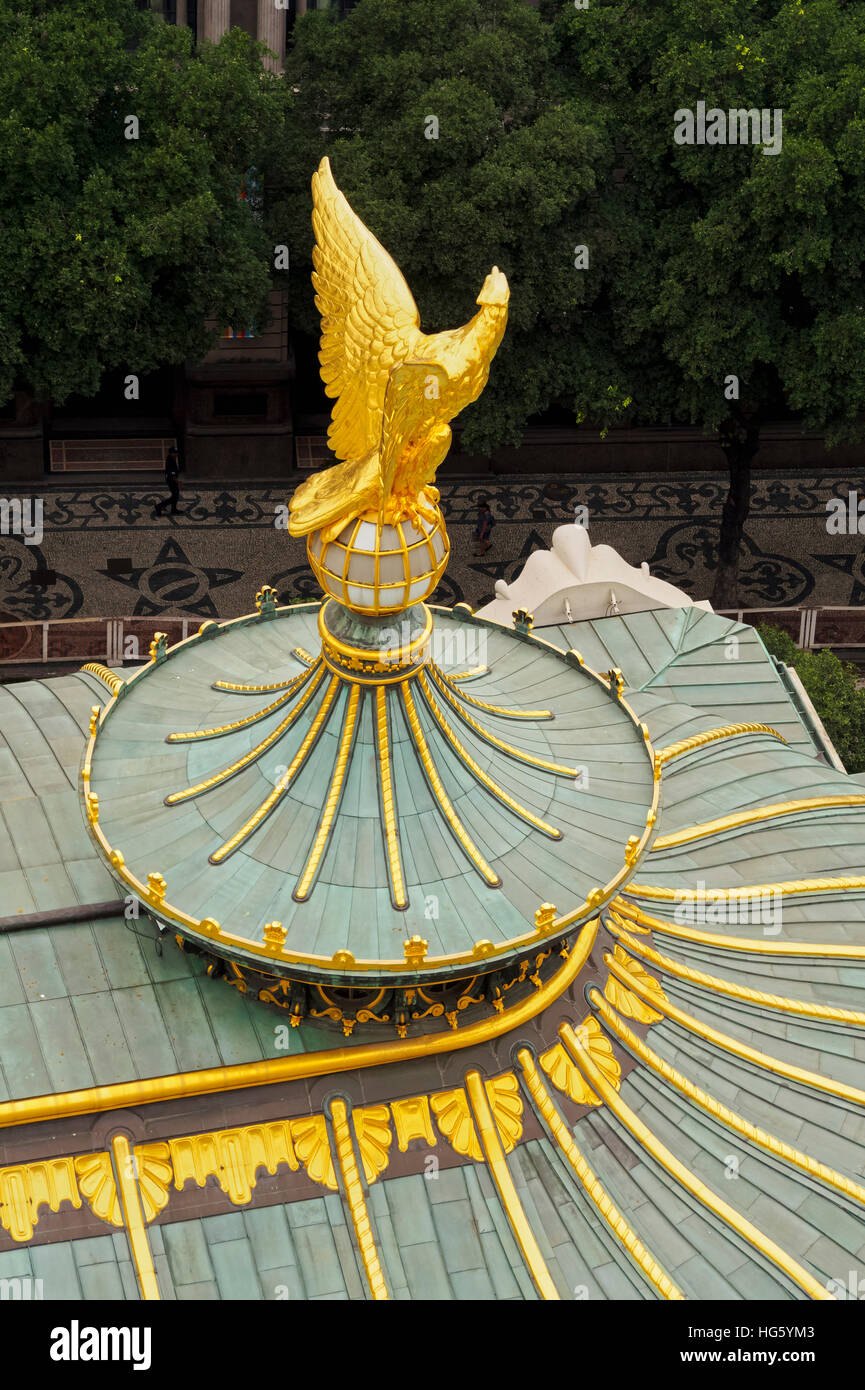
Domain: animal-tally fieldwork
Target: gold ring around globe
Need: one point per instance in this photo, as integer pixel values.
(371, 569)
(381, 664)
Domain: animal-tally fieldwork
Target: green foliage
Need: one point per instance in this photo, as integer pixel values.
(511, 180)
(831, 686)
(720, 259)
(556, 129)
(115, 250)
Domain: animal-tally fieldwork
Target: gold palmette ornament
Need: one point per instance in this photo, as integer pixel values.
(376, 537)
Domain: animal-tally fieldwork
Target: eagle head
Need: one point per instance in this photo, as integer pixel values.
(495, 289)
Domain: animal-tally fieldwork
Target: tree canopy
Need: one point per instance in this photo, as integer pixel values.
(115, 249)
(456, 138)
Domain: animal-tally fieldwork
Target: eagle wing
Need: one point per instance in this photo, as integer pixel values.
(369, 320)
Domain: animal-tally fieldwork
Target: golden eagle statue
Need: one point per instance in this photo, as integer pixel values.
(396, 388)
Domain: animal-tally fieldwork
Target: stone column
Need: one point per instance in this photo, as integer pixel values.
(300, 7)
(217, 18)
(271, 30)
(180, 15)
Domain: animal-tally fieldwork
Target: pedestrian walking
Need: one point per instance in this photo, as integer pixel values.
(172, 482)
(484, 527)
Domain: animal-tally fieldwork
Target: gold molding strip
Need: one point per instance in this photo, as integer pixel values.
(357, 1205)
(304, 656)
(594, 1190)
(711, 1035)
(388, 816)
(268, 689)
(689, 745)
(193, 735)
(777, 1147)
(333, 799)
(789, 888)
(470, 674)
(133, 1217)
(484, 704)
(457, 828)
(486, 781)
(501, 1176)
(114, 683)
(270, 802)
(829, 950)
(827, 1012)
(543, 763)
(753, 817)
(211, 1080)
(704, 1194)
(254, 753)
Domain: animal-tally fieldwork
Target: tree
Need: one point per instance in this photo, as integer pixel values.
(832, 688)
(455, 139)
(115, 249)
(734, 276)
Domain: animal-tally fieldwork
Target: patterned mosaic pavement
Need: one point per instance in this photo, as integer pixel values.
(110, 555)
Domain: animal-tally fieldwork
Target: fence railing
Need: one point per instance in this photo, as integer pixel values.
(115, 640)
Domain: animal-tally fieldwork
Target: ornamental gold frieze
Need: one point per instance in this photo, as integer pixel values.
(235, 1158)
(399, 1010)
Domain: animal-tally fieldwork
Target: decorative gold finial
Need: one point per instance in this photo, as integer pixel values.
(576, 656)
(617, 682)
(545, 916)
(208, 628)
(275, 934)
(595, 898)
(156, 888)
(651, 818)
(265, 601)
(523, 620)
(95, 711)
(210, 926)
(117, 859)
(631, 848)
(159, 647)
(415, 951)
(92, 808)
(342, 960)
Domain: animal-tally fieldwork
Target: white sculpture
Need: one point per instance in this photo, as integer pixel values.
(576, 580)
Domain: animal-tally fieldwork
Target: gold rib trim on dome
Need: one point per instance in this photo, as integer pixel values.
(727, 1043)
(192, 735)
(545, 764)
(790, 888)
(776, 1147)
(427, 762)
(347, 1160)
(754, 817)
(500, 1173)
(255, 753)
(623, 912)
(827, 1012)
(549, 1111)
(484, 704)
(387, 802)
(485, 780)
(310, 739)
(688, 1180)
(333, 798)
(688, 745)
